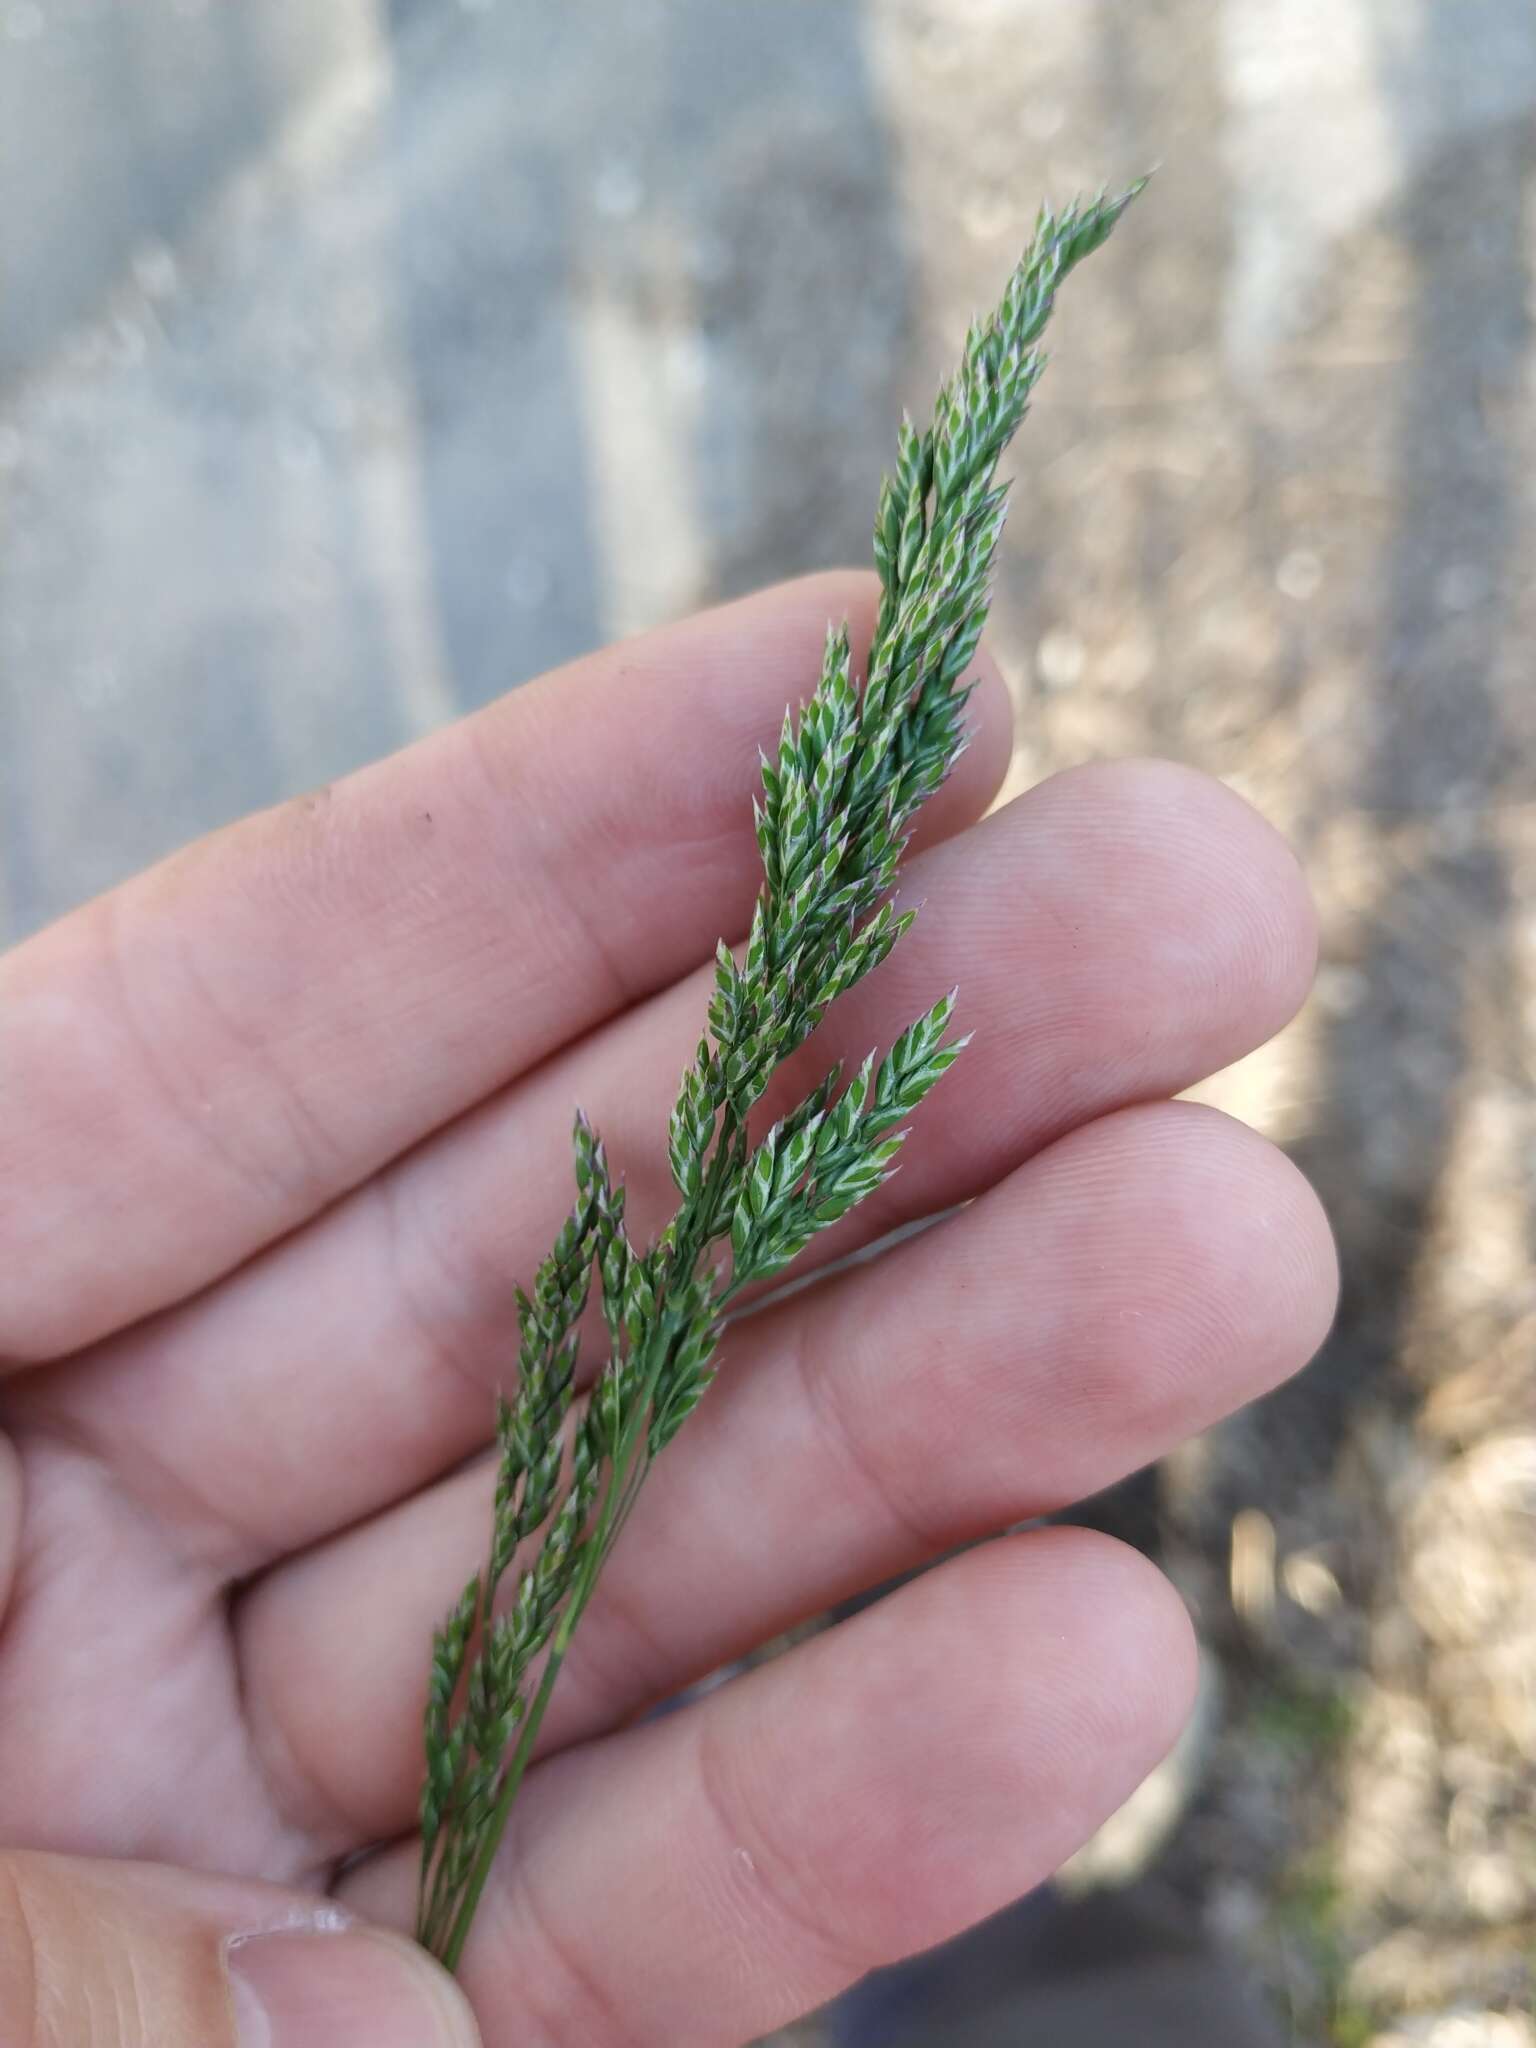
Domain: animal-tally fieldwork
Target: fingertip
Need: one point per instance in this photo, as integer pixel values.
(359, 1985)
(1282, 1243)
(1145, 1637)
(1247, 1215)
(1272, 899)
(979, 1726)
(1285, 913)
(1235, 913)
(1126, 1650)
(1225, 1277)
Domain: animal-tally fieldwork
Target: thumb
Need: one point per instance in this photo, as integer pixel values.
(134, 1955)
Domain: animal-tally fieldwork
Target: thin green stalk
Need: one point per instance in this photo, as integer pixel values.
(453, 1948)
(599, 1543)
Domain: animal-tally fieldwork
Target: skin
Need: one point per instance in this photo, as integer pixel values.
(284, 1119)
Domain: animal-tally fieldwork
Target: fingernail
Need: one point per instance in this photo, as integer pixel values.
(357, 1989)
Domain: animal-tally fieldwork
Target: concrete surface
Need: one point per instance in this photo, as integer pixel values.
(358, 362)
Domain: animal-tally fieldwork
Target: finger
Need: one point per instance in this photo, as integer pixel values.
(1121, 932)
(133, 1955)
(711, 1875)
(1122, 1291)
(195, 1063)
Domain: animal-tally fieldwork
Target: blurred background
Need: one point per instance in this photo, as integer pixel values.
(359, 361)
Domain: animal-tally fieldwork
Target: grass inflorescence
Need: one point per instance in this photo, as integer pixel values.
(837, 807)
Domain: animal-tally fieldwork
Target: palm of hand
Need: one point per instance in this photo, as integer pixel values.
(287, 1119)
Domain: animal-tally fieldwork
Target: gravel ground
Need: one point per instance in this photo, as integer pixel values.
(357, 363)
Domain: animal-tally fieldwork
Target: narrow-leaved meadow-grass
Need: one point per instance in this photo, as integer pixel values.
(837, 808)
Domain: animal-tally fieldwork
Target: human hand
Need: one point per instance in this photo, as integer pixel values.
(284, 1120)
